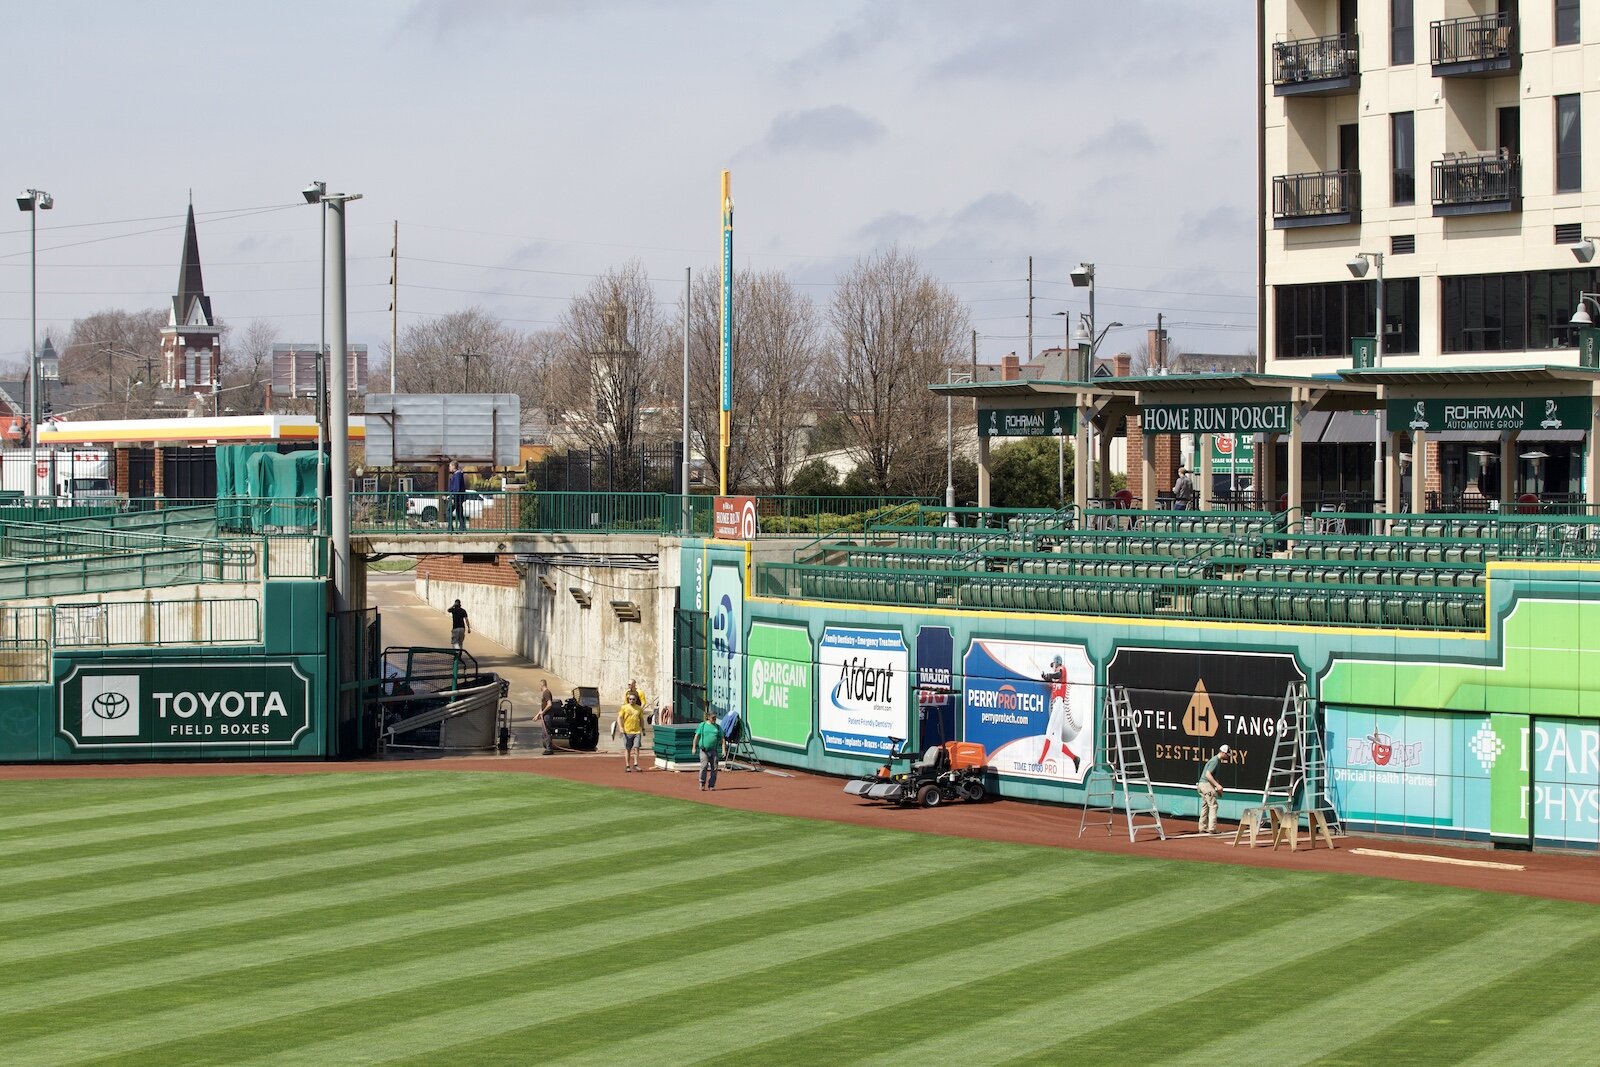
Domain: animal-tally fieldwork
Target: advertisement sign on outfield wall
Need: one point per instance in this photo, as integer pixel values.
(1188, 703)
(1031, 706)
(727, 638)
(863, 690)
(936, 698)
(200, 703)
(779, 708)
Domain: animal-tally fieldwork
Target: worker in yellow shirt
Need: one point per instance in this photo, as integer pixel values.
(630, 718)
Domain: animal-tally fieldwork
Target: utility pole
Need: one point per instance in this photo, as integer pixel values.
(1030, 309)
(1160, 355)
(974, 356)
(394, 306)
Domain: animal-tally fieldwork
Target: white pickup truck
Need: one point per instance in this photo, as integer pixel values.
(433, 508)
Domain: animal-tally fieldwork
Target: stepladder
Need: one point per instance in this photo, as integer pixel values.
(1130, 774)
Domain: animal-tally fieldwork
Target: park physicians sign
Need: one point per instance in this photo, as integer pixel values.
(1272, 417)
(1028, 422)
(193, 703)
(1517, 413)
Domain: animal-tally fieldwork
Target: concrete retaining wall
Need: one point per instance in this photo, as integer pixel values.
(591, 645)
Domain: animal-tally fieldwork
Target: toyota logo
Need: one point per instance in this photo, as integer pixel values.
(109, 705)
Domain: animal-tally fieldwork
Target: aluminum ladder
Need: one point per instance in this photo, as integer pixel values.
(1128, 766)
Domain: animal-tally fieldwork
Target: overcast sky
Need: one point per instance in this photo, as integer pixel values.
(524, 146)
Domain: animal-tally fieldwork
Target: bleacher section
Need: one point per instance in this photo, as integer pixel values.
(1414, 572)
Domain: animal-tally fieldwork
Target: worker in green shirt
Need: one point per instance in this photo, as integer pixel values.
(708, 742)
(1210, 789)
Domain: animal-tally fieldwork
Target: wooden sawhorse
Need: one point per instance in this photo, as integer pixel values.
(1287, 824)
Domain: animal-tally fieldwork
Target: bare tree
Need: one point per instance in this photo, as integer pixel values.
(119, 353)
(782, 342)
(468, 351)
(896, 330)
(610, 361)
(247, 366)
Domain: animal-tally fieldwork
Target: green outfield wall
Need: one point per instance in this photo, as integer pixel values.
(261, 701)
(1491, 736)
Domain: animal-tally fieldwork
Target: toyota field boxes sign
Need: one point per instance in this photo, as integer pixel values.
(734, 518)
(1186, 704)
(189, 704)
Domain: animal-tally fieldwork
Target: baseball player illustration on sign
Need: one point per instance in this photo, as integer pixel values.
(1063, 727)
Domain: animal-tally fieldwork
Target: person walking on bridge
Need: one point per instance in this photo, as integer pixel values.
(456, 488)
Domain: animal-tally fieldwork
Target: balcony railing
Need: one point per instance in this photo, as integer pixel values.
(1476, 45)
(1318, 198)
(1476, 183)
(1316, 65)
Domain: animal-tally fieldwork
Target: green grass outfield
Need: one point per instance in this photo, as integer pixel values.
(488, 918)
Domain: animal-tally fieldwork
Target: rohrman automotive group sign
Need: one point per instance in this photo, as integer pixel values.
(1271, 417)
(1519, 413)
(1028, 422)
(200, 702)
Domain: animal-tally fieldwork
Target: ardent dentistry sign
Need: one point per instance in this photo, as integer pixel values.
(202, 702)
(1216, 418)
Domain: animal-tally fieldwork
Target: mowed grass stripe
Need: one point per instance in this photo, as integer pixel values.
(1248, 994)
(35, 809)
(1124, 975)
(967, 996)
(609, 877)
(403, 991)
(220, 811)
(1482, 1012)
(244, 832)
(1564, 1036)
(745, 942)
(782, 1009)
(426, 873)
(1423, 976)
(392, 846)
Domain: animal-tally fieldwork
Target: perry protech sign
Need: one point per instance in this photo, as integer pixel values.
(199, 702)
(1271, 417)
(1511, 413)
(1028, 422)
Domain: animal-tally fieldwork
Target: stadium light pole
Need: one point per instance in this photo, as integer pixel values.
(1358, 267)
(313, 194)
(33, 201)
(338, 390)
(951, 377)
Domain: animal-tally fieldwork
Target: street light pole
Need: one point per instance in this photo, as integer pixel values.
(1358, 267)
(1081, 277)
(333, 205)
(33, 201)
(950, 377)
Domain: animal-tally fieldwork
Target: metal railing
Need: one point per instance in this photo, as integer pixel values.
(118, 570)
(1327, 192)
(1381, 606)
(532, 511)
(1475, 38)
(1314, 59)
(209, 621)
(1476, 178)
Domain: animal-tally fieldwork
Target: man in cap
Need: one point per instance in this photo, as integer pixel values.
(1210, 789)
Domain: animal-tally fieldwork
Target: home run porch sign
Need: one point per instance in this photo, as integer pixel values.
(200, 702)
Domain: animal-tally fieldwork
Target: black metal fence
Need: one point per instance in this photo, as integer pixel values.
(1327, 192)
(1476, 178)
(647, 469)
(1315, 59)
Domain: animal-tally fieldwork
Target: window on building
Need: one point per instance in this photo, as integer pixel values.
(1402, 33)
(1318, 321)
(1569, 145)
(1566, 21)
(1511, 312)
(1403, 157)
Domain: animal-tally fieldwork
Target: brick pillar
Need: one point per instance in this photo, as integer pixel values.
(121, 476)
(160, 472)
(1010, 367)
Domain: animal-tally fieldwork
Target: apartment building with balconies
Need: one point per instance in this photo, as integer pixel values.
(1446, 136)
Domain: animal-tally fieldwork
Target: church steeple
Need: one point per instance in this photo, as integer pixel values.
(191, 342)
(191, 306)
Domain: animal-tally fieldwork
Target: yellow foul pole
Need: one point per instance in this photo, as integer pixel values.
(727, 324)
